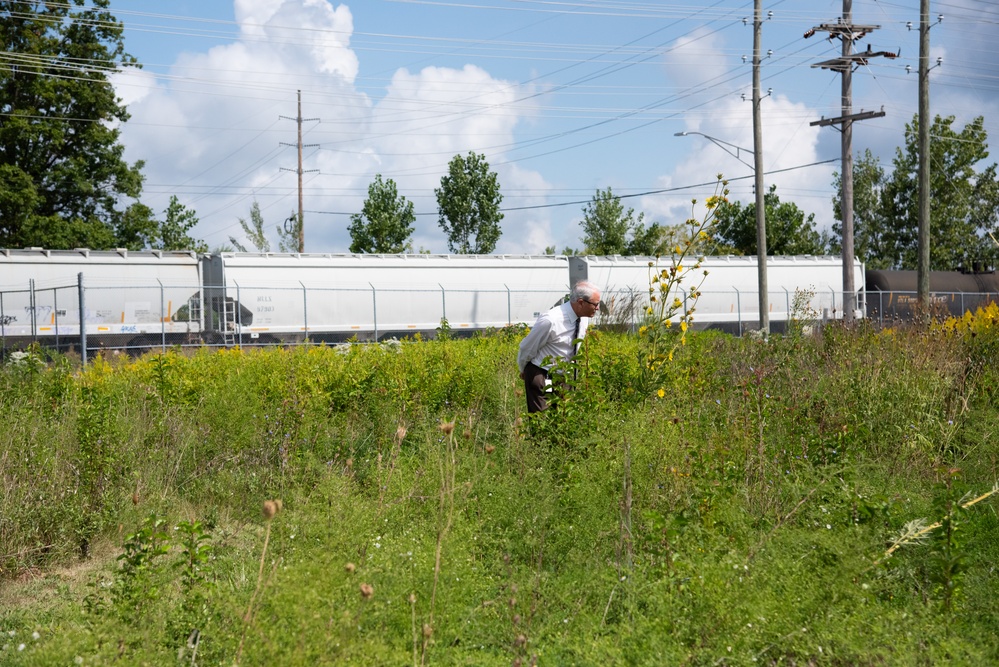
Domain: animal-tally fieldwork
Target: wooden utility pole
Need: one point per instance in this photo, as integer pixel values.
(847, 33)
(301, 215)
(761, 216)
(923, 139)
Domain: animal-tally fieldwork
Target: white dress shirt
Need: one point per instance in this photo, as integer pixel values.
(551, 336)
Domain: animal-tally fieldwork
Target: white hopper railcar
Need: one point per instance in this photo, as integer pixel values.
(139, 300)
(729, 294)
(334, 297)
(127, 295)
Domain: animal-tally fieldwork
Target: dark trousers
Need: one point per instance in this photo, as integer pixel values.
(535, 388)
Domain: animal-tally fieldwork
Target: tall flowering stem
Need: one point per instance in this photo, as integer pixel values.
(674, 286)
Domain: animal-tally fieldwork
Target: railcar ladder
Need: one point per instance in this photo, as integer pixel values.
(229, 323)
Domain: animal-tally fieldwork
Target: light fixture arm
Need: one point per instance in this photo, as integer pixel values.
(724, 145)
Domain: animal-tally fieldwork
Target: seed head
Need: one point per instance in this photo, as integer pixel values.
(427, 630)
(350, 567)
(270, 509)
(446, 427)
(520, 641)
(367, 590)
(412, 598)
(467, 434)
(490, 449)
(400, 433)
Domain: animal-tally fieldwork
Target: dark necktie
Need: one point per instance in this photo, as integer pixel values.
(575, 350)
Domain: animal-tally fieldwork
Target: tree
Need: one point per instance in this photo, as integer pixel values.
(173, 231)
(139, 229)
(606, 224)
(789, 232)
(254, 231)
(873, 240)
(61, 165)
(960, 199)
(655, 240)
(468, 205)
(610, 230)
(568, 251)
(289, 233)
(964, 202)
(385, 223)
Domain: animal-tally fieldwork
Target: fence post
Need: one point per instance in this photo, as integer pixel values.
(239, 314)
(34, 314)
(738, 308)
(162, 318)
(443, 302)
(83, 319)
(787, 311)
(509, 306)
(55, 314)
(305, 308)
(374, 310)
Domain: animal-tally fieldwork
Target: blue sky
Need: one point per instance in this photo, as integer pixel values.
(564, 97)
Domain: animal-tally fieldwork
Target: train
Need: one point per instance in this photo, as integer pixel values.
(134, 301)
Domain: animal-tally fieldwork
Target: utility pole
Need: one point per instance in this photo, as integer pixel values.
(761, 215)
(301, 218)
(923, 139)
(847, 32)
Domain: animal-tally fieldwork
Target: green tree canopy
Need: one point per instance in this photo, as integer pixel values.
(468, 204)
(789, 232)
(964, 201)
(609, 229)
(290, 234)
(873, 242)
(139, 229)
(385, 223)
(61, 167)
(254, 230)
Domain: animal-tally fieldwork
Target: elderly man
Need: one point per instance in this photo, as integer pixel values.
(551, 339)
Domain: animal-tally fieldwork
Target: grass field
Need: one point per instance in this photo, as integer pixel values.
(805, 500)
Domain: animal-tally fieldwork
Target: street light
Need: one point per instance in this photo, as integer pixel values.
(724, 145)
(761, 224)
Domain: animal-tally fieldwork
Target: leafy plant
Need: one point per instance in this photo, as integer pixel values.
(658, 338)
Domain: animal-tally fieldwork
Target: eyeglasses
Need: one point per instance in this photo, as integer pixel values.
(595, 305)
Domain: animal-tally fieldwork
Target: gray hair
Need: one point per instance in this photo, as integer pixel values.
(583, 290)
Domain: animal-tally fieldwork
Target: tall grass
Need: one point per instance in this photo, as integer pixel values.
(740, 516)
